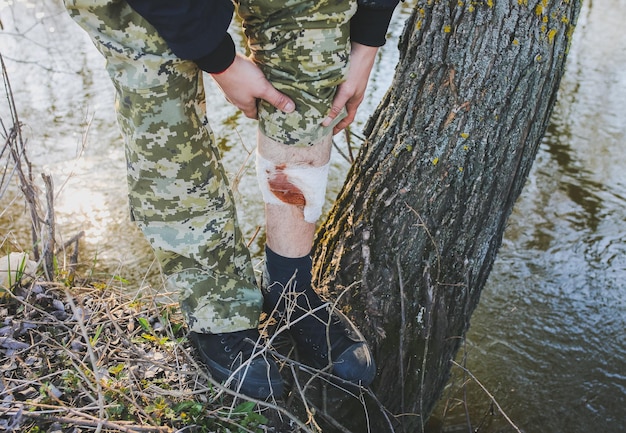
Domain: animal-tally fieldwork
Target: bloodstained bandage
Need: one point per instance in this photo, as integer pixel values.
(295, 184)
(283, 189)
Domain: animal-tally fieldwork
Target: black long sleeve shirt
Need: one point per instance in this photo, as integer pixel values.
(197, 29)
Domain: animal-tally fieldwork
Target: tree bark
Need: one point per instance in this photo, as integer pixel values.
(413, 235)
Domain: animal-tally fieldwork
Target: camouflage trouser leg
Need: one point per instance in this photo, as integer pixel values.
(303, 48)
(179, 194)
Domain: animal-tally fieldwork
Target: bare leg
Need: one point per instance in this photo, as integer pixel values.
(289, 234)
(294, 185)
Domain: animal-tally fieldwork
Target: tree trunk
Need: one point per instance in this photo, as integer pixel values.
(413, 235)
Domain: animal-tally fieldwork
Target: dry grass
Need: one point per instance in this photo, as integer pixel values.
(92, 359)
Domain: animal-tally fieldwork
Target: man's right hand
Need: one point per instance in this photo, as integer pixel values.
(243, 83)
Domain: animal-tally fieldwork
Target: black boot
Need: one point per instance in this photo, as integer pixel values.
(231, 355)
(288, 293)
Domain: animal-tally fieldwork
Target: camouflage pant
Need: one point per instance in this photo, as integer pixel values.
(179, 194)
(302, 46)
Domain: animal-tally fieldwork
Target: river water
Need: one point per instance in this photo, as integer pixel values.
(548, 339)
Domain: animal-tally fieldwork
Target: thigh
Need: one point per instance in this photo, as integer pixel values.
(303, 48)
(178, 191)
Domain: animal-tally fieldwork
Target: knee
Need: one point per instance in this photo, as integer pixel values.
(297, 184)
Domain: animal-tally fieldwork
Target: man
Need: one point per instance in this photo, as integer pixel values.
(304, 81)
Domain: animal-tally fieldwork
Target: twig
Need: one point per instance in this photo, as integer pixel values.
(302, 392)
(48, 240)
(466, 314)
(422, 224)
(17, 147)
(464, 386)
(349, 143)
(92, 356)
(73, 240)
(253, 237)
(341, 152)
(489, 395)
(89, 422)
(243, 167)
(383, 410)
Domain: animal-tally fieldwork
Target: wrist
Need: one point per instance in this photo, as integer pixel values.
(366, 51)
(363, 56)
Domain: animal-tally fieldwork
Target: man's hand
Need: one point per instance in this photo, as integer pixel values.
(243, 83)
(350, 93)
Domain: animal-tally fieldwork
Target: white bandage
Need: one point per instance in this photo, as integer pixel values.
(294, 184)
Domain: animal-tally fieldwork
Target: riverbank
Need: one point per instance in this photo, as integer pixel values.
(547, 339)
(90, 358)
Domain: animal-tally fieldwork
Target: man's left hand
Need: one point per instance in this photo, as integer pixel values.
(351, 92)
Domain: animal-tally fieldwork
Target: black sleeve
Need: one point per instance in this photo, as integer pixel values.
(193, 29)
(370, 23)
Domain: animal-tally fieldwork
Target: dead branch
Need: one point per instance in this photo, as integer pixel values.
(469, 373)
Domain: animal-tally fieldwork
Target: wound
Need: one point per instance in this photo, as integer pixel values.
(282, 188)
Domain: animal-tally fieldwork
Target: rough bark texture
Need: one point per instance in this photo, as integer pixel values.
(414, 233)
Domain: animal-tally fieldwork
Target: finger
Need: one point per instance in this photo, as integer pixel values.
(342, 125)
(278, 99)
(338, 128)
(250, 111)
(334, 112)
(351, 109)
(338, 103)
(251, 114)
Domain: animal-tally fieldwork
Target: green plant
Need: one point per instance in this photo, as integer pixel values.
(247, 419)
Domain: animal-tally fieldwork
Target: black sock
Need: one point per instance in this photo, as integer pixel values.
(286, 273)
(293, 276)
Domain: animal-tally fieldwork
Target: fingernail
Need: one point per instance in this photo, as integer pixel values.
(326, 121)
(289, 107)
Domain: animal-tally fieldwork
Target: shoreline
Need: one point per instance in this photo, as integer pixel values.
(91, 357)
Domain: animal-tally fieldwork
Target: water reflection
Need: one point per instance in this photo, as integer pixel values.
(548, 337)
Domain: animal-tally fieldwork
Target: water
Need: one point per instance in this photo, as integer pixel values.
(547, 340)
